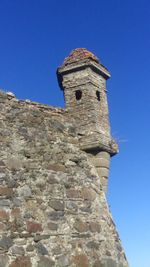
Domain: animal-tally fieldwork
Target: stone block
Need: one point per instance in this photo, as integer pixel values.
(104, 163)
(52, 226)
(16, 213)
(57, 250)
(16, 250)
(70, 163)
(104, 182)
(88, 194)
(45, 262)
(93, 245)
(30, 248)
(100, 162)
(73, 193)
(33, 227)
(4, 259)
(16, 202)
(94, 227)
(56, 167)
(52, 180)
(56, 215)
(86, 206)
(14, 164)
(21, 261)
(16, 225)
(63, 261)
(81, 226)
(41, 249)
(2, 227)
(80, 260)
(5, 203)
(109, 263)
(2, 163)
(2, 174)
(108, 253)
(57, 205)
(6, 242)
(4, 216)
(6, 191)
(103, 172)
(98, 263)
(25, 191)
(71, 205)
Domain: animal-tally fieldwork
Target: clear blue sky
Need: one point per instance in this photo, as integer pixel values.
(36, 36)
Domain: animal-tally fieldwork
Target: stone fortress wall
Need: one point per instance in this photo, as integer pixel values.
(53, 208)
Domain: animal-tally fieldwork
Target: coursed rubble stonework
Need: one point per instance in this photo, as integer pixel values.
(53, 208)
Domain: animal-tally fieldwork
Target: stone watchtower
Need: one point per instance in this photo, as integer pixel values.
(83, 80)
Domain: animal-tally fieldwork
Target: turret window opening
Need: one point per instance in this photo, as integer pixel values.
(78, 94)
(98, 95)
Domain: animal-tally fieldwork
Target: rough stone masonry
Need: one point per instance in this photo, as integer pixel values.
(54, 166)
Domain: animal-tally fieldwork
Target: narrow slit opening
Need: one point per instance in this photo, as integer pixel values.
(78, 94)
(98, 95)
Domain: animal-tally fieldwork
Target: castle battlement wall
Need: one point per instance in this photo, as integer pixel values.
(53, 208)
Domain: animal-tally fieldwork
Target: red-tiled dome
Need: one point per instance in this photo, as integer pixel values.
(80, 54)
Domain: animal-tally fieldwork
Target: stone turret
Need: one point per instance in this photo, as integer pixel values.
(82, 77)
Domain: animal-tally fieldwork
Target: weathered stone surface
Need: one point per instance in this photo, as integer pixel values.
(57, 205)
(16, 225)
(6, 191)
(4, 216)
(93, 245)
(4, 259)
(2, 227)
(25, 191)
(56, 167)
(2, 163)
(80, 260)
(103, 155)
(57, 250)
(16, 213)
(63, 261)
(45, 262)
(33, 227)
(56, 215)
(16, 202)
(100, 162)
(39, 237)
(103, 172)
(30, 248)
(6, 242)
(86, 206)
(21, 261)
(81, 226)
(73, 193)
(109, 263)
(52, 180)
(5, 203)
(88, 194)
(97, 263)
(95, 227)
(41, 249)
(53, 209)
(2, 175)
(52, 226)
(17, 250)
(14, 164)
(72, 206)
